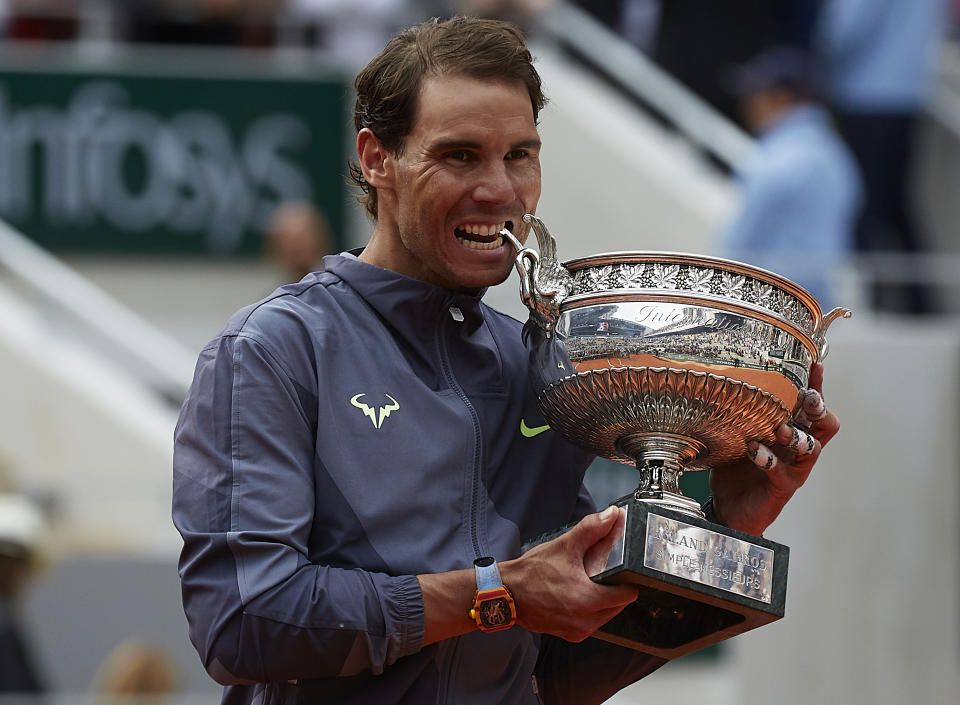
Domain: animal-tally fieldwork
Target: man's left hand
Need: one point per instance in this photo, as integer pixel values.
(749, 494)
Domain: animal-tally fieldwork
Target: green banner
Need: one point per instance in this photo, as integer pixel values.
(119, 160)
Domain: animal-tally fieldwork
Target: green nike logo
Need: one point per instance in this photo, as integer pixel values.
(531, 432)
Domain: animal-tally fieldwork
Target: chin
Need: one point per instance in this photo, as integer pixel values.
(486, 277)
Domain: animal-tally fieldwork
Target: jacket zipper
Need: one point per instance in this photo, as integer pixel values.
(448, 687)
(445, 366)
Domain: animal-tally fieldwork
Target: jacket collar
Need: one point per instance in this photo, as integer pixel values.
(396, 296)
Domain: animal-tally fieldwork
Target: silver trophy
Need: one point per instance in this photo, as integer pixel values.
(672, 362)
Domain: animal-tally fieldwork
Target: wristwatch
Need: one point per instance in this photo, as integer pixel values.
(493, 607)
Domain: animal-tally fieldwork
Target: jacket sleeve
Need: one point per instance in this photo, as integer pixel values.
(244, 500)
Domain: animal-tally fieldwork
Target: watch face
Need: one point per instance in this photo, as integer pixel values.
(494, 613)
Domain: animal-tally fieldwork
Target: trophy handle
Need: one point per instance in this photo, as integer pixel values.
(544, 281)
(820, 334)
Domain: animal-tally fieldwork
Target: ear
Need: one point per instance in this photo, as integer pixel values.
(372, 158)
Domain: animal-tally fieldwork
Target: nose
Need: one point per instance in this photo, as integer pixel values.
(494, 184)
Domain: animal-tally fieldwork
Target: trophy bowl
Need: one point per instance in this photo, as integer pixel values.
(676, 361)
(672, 362)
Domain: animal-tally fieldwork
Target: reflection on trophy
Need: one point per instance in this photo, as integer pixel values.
(672, 362)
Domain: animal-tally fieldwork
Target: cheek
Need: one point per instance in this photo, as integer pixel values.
(529, 191)
(528, 179)
(437, 191)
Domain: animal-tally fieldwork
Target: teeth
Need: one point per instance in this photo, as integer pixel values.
(474, 245)
(482, 230)
(465, 234)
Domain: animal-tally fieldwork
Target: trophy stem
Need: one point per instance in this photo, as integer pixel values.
(660, 458)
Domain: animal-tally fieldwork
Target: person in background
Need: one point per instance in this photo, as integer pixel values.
(875, 61)
(523, 13)
(21, 525)
(800, 191)
(200, 22)
(297, 238)
(33, 20)
(350, 32)
(136, 673)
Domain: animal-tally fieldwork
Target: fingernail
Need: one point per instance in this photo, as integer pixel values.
(607, 513)
(761, 456)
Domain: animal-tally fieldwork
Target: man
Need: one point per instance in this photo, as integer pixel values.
(877, 64)
(350, 448)
(21, 527)
(297, 238)
(801, 190)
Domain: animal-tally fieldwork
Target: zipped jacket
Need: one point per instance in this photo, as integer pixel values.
(340, 437)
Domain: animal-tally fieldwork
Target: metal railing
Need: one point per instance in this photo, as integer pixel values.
(160, 361)
(687, 113)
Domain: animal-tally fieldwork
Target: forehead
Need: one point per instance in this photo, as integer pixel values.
(449, 104)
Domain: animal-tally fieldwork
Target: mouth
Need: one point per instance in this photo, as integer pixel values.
(477, 236)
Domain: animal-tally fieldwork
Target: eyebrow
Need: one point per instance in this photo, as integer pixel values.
(446, 145)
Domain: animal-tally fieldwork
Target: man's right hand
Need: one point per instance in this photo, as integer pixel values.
(551, 583)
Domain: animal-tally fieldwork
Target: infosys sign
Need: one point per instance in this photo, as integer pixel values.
(114, 161)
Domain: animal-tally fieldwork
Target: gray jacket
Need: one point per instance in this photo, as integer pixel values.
(340, 437)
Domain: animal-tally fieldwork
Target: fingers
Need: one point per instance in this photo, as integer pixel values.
(619, 596)
(595, 528)
(551, 587)
(815, 417)
(812, 409)
(761, 456)
(813, 414)
(795, 449)
(596, 558)
(816, 377)
(812, 406)
(796, 441)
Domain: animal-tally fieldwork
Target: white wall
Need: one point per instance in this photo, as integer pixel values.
(82, 432)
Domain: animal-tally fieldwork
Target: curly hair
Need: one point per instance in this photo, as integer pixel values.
(388, 88)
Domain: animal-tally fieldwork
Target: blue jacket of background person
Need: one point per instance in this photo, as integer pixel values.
(801, 193)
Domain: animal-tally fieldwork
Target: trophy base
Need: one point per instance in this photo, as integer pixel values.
(700, 583)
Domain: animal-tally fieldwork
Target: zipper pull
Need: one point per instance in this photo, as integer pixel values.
(456, 314)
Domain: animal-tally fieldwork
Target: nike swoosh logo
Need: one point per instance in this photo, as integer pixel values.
(531, 432)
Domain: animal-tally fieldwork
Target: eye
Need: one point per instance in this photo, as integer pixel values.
(460, 155)
(516, 154)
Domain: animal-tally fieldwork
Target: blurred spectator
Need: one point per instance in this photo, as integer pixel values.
(297, 238)
(210, 22)
(876, 61)
(21, 524)
(136, 672)
(350, 31)
(41, 19)
(522, 13)
(801, 191)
